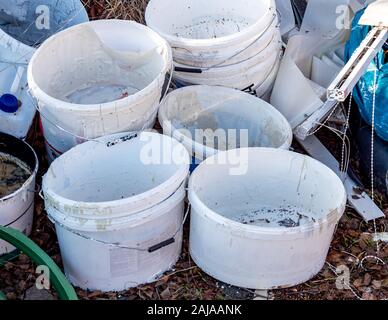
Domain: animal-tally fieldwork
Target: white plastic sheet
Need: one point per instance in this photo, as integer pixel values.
(287, 18)
(323, 33)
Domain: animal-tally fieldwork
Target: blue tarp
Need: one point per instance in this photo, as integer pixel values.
(363, 93)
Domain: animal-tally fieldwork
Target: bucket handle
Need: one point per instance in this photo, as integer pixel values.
(150, 249)
(188, 70)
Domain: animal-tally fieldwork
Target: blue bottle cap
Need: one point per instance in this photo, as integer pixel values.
(9, 103)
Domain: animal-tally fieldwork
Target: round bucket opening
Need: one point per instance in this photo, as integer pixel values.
(99, 62)
(220, 118)
(142, 170)
(279, 189)
(204, 19)
(18, 165)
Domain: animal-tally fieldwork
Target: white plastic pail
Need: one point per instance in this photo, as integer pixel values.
(98, 78)
(270, 226)
(118, 209)
(226, 118)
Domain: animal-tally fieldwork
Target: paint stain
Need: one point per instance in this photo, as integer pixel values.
(13, 174)
(287, 217)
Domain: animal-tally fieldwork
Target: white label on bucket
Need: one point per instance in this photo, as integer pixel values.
(122, 262)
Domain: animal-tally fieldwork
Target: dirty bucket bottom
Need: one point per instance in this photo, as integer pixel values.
(282, 216)
(99, 93)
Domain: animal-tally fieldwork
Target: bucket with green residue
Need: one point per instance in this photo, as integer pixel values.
(18, 168)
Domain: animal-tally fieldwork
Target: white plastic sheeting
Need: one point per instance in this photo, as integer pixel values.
(376, 14)
(315, 54)
(287, 18)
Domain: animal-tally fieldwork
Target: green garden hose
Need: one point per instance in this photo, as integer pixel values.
(63, 287)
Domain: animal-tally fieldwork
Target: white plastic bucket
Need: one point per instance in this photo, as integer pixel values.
(111, 202)
(226, 113)
(256, 77)
(203, 33)
(252, 72)
(270, 227)
(98, 78)
(17, 208)
(234, 44)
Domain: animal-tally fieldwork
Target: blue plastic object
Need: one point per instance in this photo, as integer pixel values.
(363, 92)
(9, 103)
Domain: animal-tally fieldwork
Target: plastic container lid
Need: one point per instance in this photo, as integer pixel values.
(9, 103)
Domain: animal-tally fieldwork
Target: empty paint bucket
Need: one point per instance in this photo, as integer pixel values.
(206, 119)
(98, 78)
(269, 226)
(228, 43)
(117, 205)
(18, 168)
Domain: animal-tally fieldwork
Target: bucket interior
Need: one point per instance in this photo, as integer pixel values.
(280, 189)
(205, 19)
(17, 163)
(94, 173)
(99, 62)
(226, 118)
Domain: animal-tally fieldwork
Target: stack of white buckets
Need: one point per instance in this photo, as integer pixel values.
(235, 44)
(118, 200)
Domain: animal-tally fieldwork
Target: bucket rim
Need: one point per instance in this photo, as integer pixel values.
(255, 231)
(34, 170)
(210, 42)
(41, 96)
(91, 224)
(175, 180)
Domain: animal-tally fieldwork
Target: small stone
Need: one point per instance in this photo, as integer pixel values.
(368, 296)
(365, 240)
(11, 296)
(357, 283)
(376, 284)
(166, 294)
(34, 293)
(367, 279)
